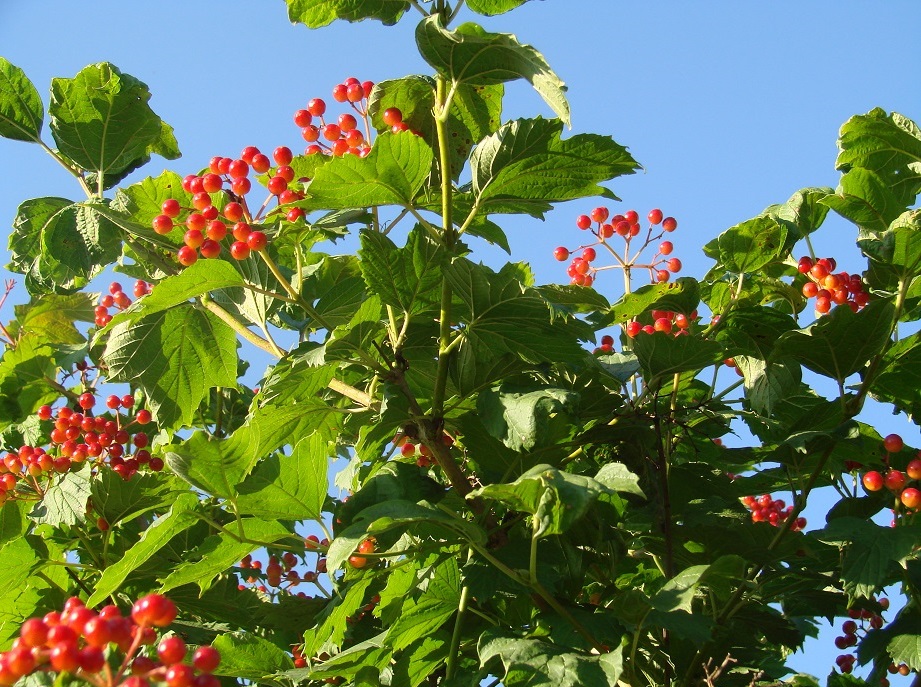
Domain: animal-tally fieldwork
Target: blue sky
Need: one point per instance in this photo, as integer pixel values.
(729, 106)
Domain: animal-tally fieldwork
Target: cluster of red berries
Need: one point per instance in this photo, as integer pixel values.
(118, 299)
(896, 480)
(342, 136)
(281, 573)
(859, 622)
(102, 648)
(207, 226)
(765, 508)
(663, 321)
(422, 453)
(627, 226)
(830, 288)
(78, 437)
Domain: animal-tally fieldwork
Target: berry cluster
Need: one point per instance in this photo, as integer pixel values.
(859, 622)
(281, 573)
(626, 226)
(78, 437)
(663, 321)
(411, 448)
(118, 299)
(342, 136)
(103, 648)
(764, 508)
(207, 226)
(895, 480)
(830, 288)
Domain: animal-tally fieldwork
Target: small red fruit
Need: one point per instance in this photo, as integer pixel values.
(669, 224)
(893, 443)
(895, 480)
(873, 481)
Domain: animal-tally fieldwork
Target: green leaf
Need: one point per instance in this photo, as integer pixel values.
(493, 7)
(407, 278)
(897, 249)
(52, 317)
(840, 343)
(60, 246)
(753, 331)
(396, 514)
(766, 384)
(887, 144)
(422, 617)
(556, 498)
(317, 13)
(118, 500)
(899, 379)
(369, 655)
(249, 657)
(196, 280)
(535, 663)
(681, 295)
(865, 198)
(474, 113)
(288, 487)
(391, 174)
(220, 552)
(803, 213)
(345, 603)
(662, 354)
(100, 119)
(749, 246)
(525, 419)
(617, 477)
(181, 516)
(871, 552)
(175, 356)
(419, 660)
(503, 316)
(471, 55)
(528, 160)
(64, 502)
(21, 109)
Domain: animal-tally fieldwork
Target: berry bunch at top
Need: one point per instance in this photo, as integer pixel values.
(626, 227)
(340, 136)
(104, 648)
(410, 447)
(830, 288)
(118, 299)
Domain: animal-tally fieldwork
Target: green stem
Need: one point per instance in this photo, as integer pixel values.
(453, 651)
(308, 308)
(60, 160)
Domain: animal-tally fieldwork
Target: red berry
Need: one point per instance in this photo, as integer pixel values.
(171, 650)
(561, 253)
(153, 610)
(893, 443)
(143, 417)
(914, 469)
(239, 250)
(206, 659)
(599, 214)
(238, 169)
(666, 247)
(895, 480)
(355, 93)
(911, 498)
(193, 238)
(162, 224)
(583, 221)
(86, 401)
(256, 240)
(261, 163)
(283, 155)
(674, 265)
(210, 248)
(392, 116)
(276, 185)
(669, 224)
(340, 93)
(654, 216)
(316, 107)
(633, 328)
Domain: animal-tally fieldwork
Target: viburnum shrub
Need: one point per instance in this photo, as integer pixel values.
(592, 483)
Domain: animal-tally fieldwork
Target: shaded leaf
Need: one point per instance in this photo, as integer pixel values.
(317, 13)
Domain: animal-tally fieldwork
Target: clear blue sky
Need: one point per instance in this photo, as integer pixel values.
(729, 106)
